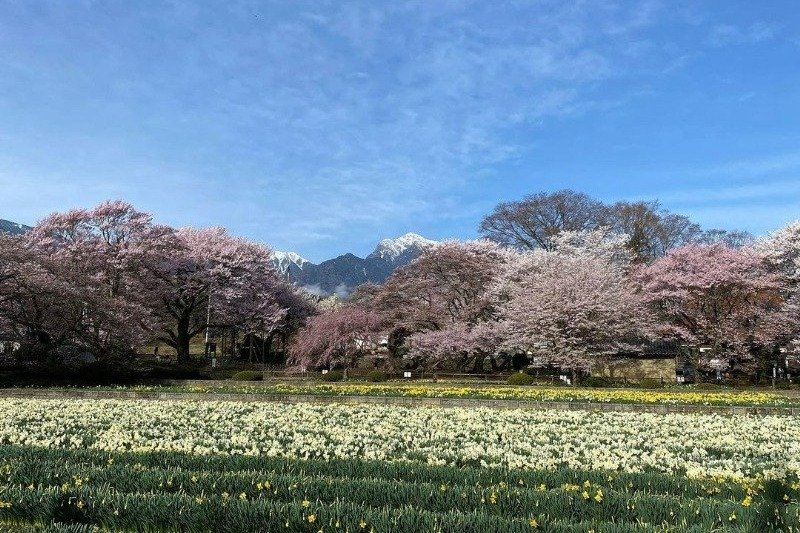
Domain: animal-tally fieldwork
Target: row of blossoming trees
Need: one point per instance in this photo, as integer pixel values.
(583, 297)
(108, 280)
(590, 285)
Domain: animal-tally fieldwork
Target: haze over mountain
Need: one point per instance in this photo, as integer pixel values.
(342, 274)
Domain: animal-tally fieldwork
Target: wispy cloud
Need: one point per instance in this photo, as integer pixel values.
(379, 108)
(753, 167)
(759, 194)
(305, 123)
(726, 34)
(725, 194)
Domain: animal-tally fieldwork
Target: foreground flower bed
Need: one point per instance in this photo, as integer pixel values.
(495, 392)
(230, 466)
(179, 492)
(698, 445)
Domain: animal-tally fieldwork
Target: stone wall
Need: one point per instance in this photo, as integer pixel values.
(637, 369)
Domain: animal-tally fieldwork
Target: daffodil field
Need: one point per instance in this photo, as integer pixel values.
(685, 396)
(250, 466)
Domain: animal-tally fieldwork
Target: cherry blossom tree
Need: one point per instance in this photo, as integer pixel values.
(113, 243)
(460, 345)
(601, 243)
(108, 279)
(37, 305)
(718, 296)
(442, 294)
(445, 285)
(571, 309)
(104, 254)
(339, 337)
(213, 272)
(11, 258)
(79, 278)
(781, 250)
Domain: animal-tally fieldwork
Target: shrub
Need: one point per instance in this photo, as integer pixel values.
(333, 375)
(650, 383)
(248, 375)
(709, 386)
(168, 371)
(376, 376)
(521, 379)
(597, 382)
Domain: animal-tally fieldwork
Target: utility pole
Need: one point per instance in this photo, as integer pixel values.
(208, 330)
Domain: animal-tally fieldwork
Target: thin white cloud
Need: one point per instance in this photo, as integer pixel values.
(726, 34)
(759, 194)
(754, 166)
(759, 219)
(307, 122)
(749, 192)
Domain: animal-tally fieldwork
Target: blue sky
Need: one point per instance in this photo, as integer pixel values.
(324, 126)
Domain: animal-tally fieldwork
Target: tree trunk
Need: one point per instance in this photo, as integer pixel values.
(268, 347)
(182, 339)
(182, 349)
(477, 366)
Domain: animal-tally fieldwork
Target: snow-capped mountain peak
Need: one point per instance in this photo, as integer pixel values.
(391, 249)
(283, 261)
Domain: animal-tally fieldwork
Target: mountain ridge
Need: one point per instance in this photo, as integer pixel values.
(14, 228)
(340, 275)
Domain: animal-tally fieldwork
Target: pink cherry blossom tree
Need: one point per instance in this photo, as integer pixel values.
(11, 257)
(571, 309)
(78, 278)
(460, 346)
(113, 243)
(213, 272)
(105, 255)
(107, 278)
(339, 337)
(443, 294)
(447, 284)
(37, 305)
(716, 295)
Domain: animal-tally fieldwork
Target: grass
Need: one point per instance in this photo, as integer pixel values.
(176, 492)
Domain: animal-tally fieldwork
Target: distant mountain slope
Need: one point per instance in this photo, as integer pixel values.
(344, 273)
(6, 226)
